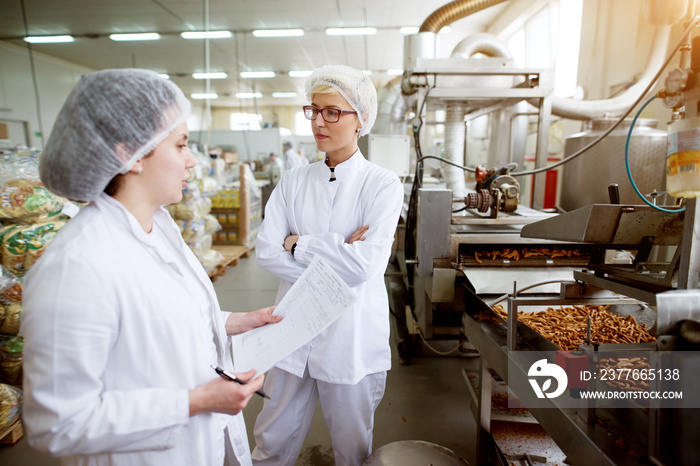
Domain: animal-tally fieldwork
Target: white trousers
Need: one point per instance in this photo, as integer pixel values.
(282, 425)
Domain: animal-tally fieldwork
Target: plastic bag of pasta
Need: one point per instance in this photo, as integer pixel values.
(25, 201)
(10, 287)
(191, 230)
(22, 245)
(11, 349)
(9, 318)
(10, 405)
(210, 258)
(211, 224)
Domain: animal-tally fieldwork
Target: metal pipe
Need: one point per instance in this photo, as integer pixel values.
(451, 12)
(484, 43)
(455, 137)
(593, 109)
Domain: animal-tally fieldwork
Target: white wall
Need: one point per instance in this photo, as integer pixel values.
(18, 103)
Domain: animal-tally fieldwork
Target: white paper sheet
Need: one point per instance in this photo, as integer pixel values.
(314, 302)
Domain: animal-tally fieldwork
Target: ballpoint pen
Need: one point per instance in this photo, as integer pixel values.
(225, 375)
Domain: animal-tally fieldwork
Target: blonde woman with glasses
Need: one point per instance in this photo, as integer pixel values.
(344, 209)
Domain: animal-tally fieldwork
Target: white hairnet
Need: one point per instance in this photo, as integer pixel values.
(111, 119)
(354, 85)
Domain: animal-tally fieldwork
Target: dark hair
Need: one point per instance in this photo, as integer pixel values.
(114, 185)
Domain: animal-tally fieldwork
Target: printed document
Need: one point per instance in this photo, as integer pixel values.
(314, 302)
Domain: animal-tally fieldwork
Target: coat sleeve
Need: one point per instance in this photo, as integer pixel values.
(70, 322)
(275, 228)
(363, 260)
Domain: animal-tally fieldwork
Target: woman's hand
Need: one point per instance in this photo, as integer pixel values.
(289, 242)
(357, 236)
(239, 322)
(224, 396)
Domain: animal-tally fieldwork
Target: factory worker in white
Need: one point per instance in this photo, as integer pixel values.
(121, 323)
(291, 157)
(344, 209)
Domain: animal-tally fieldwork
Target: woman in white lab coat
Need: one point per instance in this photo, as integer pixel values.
(344, 209)
(121, 323)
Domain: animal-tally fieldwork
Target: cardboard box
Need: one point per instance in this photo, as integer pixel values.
(230, 157)
(4, 131)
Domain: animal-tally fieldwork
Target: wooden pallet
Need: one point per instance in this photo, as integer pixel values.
(231, 255)
(12, 434)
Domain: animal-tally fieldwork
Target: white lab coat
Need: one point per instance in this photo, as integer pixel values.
(117, 329)
(325, 214)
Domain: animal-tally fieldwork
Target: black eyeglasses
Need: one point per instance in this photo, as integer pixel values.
(329, 115)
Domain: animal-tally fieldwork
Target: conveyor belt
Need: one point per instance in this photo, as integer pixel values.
(585, 444)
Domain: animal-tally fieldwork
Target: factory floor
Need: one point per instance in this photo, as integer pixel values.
(425, 400)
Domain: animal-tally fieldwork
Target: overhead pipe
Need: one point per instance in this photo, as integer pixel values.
(455, 137)
(616, 106)
(483, 43)
(451, 12)
(455, 129)
(502, 150)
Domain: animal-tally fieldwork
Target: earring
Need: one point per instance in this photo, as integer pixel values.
(139, 170)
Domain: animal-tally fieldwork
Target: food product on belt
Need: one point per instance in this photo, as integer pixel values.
(515, 254)
(566, 327)
(630, 370)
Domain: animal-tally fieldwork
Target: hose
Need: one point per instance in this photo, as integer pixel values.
(627, 163)
(693, 23)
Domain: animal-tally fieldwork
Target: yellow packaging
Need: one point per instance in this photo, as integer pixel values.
(683, 158)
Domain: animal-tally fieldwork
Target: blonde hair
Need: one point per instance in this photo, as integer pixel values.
(324, 89)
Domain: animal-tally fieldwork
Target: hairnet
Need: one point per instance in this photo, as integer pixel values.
(111, 119)
(354, 85)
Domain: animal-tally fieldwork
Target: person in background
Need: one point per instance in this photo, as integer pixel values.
(276, 160)
(302, 156)
(121, 323)
(291, 157)
(344, 209)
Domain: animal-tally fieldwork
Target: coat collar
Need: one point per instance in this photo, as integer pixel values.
(132, 226)
(344, 171)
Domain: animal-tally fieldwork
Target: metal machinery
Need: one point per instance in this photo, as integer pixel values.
(465, 247)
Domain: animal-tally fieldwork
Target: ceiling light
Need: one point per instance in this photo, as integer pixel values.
(139, 36)
(206, 34)
(214, 75)
(248, 95)
(281, 95)
(299, 74)
(394, 72)
(205, 96)
(350, 31)
(48, 39)
(278, 32)
(257, 74)
(164, 76)
(406, 30)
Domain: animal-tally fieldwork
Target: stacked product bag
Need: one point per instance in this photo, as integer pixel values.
(193, 215)
(10, 405)
(30, 216)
